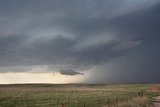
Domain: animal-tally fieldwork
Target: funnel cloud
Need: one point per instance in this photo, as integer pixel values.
(69, 72)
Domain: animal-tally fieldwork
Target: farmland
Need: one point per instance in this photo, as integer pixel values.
(74, 95)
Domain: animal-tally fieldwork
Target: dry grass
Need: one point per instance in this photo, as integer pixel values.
(74, 95)
(135, 102)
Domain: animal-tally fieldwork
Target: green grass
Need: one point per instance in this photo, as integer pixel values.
(69, 95)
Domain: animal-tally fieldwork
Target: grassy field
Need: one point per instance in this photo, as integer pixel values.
(76, 95)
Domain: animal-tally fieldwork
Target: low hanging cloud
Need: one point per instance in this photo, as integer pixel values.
(69, 72)
(74, 34)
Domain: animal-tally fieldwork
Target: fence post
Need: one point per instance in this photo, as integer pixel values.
(14, 104)
(99, 103)
(122, 99)
(108, 102)
(84, 104)
(116, 100)
(139, 93)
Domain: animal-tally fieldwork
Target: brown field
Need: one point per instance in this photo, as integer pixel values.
(78, 95)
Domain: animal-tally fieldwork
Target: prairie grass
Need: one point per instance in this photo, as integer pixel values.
(135, 102)
(73, 95)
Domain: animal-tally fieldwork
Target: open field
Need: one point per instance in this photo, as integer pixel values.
(76, 95)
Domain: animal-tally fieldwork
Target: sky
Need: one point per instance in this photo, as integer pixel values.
(79, 41)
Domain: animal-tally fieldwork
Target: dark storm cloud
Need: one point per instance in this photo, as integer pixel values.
(73, 34)
(138, 66)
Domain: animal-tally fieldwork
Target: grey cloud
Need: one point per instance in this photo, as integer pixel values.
(140, 65)
(69, 72)
(58, 50)
(75, 34)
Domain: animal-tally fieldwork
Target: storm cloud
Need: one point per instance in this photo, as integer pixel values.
(74, 34)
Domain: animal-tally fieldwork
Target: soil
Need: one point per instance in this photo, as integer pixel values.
(153, 89)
